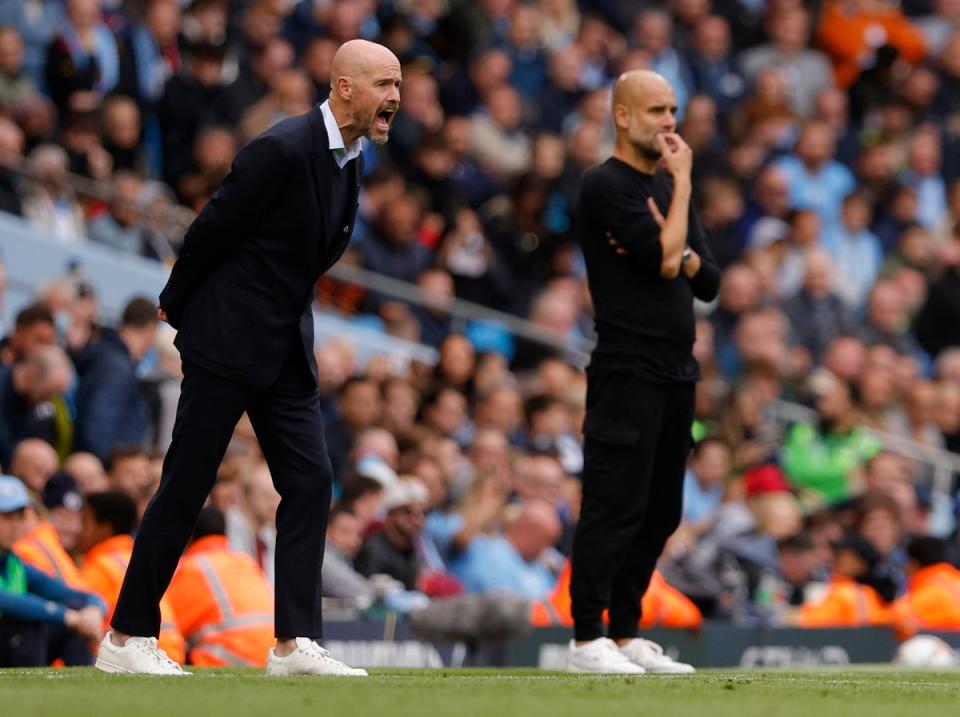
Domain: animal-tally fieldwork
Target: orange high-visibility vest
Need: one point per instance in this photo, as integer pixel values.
(847, 603)
(42, 549)
(932, 601)
(223, 604)
(662, 605)
(665, 606)
(103, 569)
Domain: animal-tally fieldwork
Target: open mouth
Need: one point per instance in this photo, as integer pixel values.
(385, 118)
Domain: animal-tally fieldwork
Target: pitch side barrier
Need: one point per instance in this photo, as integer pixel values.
(390, 642)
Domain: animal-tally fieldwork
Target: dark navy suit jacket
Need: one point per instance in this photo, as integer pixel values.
(243, 284)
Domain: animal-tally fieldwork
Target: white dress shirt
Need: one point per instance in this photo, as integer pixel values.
(341, 153)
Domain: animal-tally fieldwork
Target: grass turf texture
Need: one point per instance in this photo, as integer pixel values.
(496, 693)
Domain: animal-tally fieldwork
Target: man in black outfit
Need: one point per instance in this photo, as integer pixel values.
(240, 296)
(646, 262)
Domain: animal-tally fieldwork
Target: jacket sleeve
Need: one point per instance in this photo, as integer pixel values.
(258, 175)
(46, 600)
(101, 408)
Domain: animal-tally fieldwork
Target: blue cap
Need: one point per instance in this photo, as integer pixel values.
(13, 496)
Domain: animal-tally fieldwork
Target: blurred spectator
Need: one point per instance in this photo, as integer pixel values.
(886, 321)
(16, 87)
(33, 327)
(358, 408)
(393, 248)
(339, 578)
(705, 484)
(26, 389)
(251, 526)
(806, 71)
(823, 461)
(221, 599)
(652, 33)
(856, 251)
(854, 35)
(88, 471)
(932, 600)
(513, 561)
(47, 544)
(848, 602)
(48, 202)
(43, 619)
(83, 61)
(497, 141)
(110, 408)
(816, 180)
(192, 100)
(394, 550)
(713, 71)
(119, 228)
(122, 134)
(816, 314)
(34, 462)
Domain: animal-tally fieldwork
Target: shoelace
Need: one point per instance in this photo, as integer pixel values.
(321, 652)
(652, 645)
(150, 647)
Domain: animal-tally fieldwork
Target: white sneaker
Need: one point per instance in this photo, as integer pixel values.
(651, 657)
(139, 656)
(600, 656)
(309, 659)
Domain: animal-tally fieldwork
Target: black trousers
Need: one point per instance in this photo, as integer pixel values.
(34, 644)
(637, 439)
(286, 418)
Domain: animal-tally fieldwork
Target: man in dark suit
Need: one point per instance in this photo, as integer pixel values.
(240, 296)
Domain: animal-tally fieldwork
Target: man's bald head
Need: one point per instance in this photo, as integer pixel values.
(357, 57)
(634, 85)
(364, 90)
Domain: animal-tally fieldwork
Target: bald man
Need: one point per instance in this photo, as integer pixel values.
(240, 296)
(647, 260)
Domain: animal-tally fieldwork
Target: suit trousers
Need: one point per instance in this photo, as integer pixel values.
(286, 419)
(637, 439)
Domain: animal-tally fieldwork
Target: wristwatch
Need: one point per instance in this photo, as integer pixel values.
(685, 257)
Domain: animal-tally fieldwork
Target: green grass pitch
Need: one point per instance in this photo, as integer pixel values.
(874, 692)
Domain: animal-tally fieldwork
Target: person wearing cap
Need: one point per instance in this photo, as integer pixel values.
(46, 546)
(394, 551)
(848, 601)
(41, 618)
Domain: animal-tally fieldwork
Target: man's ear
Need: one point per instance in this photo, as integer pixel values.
(345, 88)
(621, 116)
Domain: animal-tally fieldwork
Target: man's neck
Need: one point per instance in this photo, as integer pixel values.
(344, 118)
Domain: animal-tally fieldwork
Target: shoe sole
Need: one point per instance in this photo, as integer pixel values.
(109, 667)
(573, 669)
(309, 674)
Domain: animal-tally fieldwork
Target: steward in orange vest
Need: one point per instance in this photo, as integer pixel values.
(932, 601)
(105, 538)
(45, 545)
(662, 605)
(222, 600)
(848, 602)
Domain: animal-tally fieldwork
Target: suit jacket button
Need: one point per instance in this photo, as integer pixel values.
(346, 229)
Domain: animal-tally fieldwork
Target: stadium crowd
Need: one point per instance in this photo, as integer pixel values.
(827, 177)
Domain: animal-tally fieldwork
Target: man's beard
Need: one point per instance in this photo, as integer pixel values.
(649, 151)
(380, 139)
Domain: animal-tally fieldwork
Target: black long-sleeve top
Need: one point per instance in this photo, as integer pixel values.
(644, 322)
